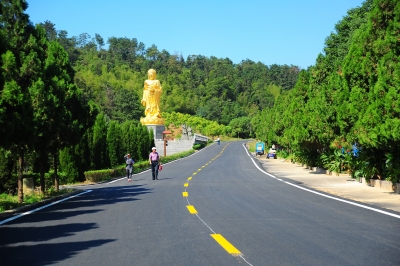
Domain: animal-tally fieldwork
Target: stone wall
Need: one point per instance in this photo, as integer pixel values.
(174, 146)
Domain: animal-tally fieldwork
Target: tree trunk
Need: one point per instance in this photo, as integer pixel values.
(20, 176)
(42, 166)
(56, 183)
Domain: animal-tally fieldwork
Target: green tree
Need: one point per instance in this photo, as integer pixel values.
(240, 127)
(21, 67)
(126, 105)
(114, 143)
(99, 41)
(372, 85)
(100, 157)
(50, 29)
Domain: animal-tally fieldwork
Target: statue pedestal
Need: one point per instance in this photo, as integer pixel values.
(152, 120)
(158, 130)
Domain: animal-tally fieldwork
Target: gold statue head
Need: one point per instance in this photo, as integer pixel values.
(151, 74)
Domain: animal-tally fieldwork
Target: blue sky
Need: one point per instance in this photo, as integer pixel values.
(281, 32)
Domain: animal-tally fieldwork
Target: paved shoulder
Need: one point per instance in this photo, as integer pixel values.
(343, 185)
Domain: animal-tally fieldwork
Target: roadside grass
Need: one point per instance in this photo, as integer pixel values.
(252, 145)
(9, 202)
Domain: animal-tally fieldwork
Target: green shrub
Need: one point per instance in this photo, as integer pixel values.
(140, 166)
(32, 198)
(198, 146)
(176, 156)
(100, 175)
(282, 154)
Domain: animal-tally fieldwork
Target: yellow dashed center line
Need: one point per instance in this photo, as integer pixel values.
(225, 244)
(191, 209)
(217, 237)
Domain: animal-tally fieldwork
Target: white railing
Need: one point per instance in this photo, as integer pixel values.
(200, 138)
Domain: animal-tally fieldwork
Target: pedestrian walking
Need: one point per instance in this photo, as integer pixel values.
(154, 160)
(129, 166)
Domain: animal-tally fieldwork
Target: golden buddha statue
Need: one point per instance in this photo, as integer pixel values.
(151, 100)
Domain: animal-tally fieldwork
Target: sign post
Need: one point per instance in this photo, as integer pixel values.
(165, 138)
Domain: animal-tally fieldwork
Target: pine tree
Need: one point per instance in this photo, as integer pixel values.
(21, 67)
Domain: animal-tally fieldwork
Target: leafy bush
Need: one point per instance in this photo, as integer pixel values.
(337, 162)
(282, 154)
(7, 202)
(100, 175)
(198, 146)
(176, 156)
(32, 198)
(392, 165)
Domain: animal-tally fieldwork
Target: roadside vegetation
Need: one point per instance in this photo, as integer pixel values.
(343, 113)
(9, 202)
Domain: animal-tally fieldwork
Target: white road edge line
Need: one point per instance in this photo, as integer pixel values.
(321, 194)
(43, 207)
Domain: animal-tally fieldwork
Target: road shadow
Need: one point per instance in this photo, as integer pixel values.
(102, 197)
(18, 234)
(25, 240)
(46, 254)
(30, 252)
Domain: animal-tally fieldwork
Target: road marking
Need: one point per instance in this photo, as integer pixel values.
(220, 239)
(189, 178)
(321, 194)
(191, 209)
(186, 184)
(43, 207)
(194, 173)
(225, 244)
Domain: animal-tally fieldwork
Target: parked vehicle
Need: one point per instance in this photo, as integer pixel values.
(271, 153)
(260, 147)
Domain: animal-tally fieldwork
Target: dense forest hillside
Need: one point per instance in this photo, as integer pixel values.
(211, 88)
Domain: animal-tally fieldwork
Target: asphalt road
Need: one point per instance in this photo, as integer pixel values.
(244, 217)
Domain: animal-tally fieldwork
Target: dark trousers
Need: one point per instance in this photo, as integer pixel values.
(129, 173)
(154, 169)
